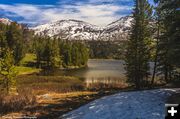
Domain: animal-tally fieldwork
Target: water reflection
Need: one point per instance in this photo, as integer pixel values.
(98, 72)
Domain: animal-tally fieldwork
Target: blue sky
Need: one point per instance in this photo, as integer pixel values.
(33, 12)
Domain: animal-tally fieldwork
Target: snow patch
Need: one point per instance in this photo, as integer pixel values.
(148, 104)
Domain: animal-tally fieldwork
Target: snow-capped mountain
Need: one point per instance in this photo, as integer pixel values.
(119, 29)
(68, 28)
(80, 30)
(5, 21)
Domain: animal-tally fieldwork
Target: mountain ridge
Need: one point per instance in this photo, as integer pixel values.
(80, 30)
(73, 29)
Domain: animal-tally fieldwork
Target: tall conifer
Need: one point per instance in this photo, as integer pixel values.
(138, 51)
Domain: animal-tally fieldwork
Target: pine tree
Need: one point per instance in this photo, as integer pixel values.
(66, 54)
(169, 48)
(171, 21)
(156, 49)
(3, 42)
(46, 56)
(7, 71)
(14, 38)
(55, 58)
(84, 53)
(39, 46)
(138, 53)
(75, 55)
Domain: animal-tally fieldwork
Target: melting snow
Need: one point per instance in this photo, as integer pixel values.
(148, 104)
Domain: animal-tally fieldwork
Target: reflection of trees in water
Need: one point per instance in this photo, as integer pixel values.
(105, 82)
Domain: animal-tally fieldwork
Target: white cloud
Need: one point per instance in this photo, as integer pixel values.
(96, 1)
(95, 14)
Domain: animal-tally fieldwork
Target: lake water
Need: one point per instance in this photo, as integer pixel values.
(98, 71)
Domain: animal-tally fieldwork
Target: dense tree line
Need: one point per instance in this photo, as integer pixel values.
(166, 38)
(101, 49)
(57, 53)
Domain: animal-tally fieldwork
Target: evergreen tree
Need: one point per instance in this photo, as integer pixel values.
(84, 54)
(47, 51)
(138, 53)
(66, 54)
(39, 46)
(75, 55)
(3, 42)
(156, 46)
(168, 55)
(7, 71)
(55, 58)
(14, 38)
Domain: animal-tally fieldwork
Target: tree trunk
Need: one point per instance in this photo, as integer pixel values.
(7, 85)
(156, 56)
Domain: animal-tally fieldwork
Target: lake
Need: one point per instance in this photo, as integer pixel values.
(104, 71)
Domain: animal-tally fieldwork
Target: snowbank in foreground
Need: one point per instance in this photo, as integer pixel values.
(149, 104)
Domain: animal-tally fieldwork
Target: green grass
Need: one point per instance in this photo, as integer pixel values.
(27, 65)
(26, 70)
(29, 58)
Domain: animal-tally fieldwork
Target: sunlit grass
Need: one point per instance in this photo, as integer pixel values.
(24, 67)
(26, 70)
(54, 98)
(29, 58)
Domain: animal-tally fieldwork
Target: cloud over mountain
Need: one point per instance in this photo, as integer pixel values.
(99, 12)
